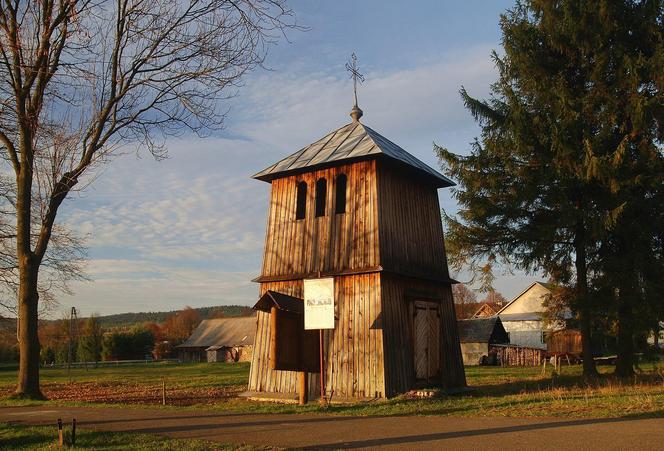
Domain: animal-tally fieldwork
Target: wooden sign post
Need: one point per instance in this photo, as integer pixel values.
(319, 314)
(303, 388)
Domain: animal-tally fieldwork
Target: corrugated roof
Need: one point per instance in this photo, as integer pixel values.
(353, 141)
(533, 316)
(527, 316)
(482, 330)
(223, 332)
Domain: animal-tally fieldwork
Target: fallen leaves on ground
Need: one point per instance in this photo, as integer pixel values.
(128, 393)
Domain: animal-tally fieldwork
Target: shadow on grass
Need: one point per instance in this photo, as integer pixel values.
(644, 415)
(22, 438)
(184, 416)
(564, 381)
(278, 423)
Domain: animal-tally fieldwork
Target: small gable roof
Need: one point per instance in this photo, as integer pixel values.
(482, 330)
(484, 311)
(354, 141)
(223, 332)
(281, 301)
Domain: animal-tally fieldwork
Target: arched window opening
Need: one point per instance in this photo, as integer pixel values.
(321, 194)
(340, 204)
(301, 208)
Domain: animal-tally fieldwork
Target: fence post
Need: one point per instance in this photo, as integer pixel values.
(163, 392)
(60, 438)
(73, 432)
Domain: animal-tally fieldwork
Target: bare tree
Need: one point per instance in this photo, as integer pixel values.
(81, 80)
(63, 262)
(464, 298)
(494, 297)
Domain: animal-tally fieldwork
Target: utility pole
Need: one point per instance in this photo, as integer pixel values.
(73, 333)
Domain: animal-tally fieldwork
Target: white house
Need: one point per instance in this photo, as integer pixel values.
(660, 336)
(522, 317)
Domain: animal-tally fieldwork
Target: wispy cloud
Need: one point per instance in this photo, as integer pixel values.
(190, 230)
(416, 104)
(126, 285)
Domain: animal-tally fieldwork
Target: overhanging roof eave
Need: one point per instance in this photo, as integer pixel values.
(439, 180)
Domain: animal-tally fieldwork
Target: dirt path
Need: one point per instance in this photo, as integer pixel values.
(318, 431)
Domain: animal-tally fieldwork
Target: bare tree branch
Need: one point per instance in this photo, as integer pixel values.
(81, 80)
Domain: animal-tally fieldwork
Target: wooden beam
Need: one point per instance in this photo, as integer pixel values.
(317, 274)
(273, 337)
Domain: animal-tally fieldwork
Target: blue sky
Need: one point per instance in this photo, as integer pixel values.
(190, 230)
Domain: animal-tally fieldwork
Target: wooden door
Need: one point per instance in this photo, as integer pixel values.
(426, 331)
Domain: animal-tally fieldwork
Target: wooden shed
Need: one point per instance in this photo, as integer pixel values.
(477, 335)
(564, 342)
(220, 340)
(357, 207)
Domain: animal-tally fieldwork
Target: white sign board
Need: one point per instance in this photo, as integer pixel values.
(319, 303)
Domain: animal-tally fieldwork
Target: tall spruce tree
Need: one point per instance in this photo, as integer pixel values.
(567, 135)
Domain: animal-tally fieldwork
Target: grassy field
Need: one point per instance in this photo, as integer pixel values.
(19, 437)
(511, 391)
(186, 384)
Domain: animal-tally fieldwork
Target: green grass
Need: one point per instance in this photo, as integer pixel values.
(510, 391)
(20, 437)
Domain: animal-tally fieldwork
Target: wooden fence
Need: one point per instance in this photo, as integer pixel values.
(512, 355)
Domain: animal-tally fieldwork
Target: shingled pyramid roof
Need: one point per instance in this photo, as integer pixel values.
(354, 141)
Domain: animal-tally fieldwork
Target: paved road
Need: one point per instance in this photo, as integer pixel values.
(318, 431)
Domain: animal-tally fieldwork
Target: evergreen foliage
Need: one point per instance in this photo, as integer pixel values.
(132, 345)
(567, 175)
(90, 345)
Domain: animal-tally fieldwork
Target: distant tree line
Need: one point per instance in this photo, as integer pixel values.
(131, 319)
(90, 340)
(95, 343)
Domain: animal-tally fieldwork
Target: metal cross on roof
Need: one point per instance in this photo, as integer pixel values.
(355, 74)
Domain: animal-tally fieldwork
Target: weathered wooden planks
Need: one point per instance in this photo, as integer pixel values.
(566, 341)
(353, 350)
(510, 355)
(398, 296)
(334, 242)
(385, 251)
(410, 226)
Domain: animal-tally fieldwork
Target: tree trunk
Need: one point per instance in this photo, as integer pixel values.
(28, 266)
(28, 300)
(589, 368)
(625, 358)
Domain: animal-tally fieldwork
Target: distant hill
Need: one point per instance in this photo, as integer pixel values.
(129, 319)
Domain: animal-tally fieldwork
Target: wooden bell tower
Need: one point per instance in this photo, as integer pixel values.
(357, 207)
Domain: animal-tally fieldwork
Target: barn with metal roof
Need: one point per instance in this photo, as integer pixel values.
(220, 339)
